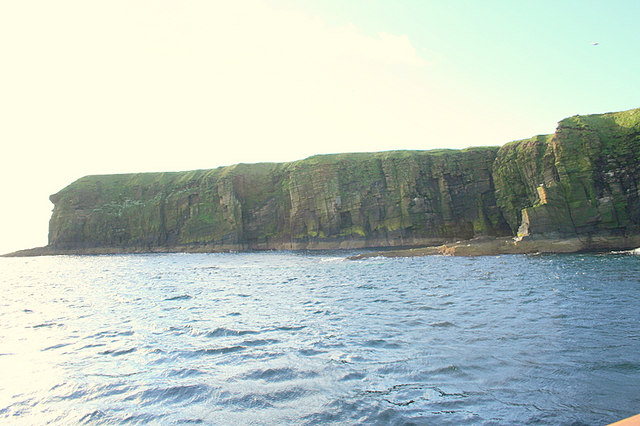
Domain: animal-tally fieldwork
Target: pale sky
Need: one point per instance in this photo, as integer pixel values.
(94, 87)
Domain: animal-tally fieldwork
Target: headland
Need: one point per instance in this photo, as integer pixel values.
(575, 190)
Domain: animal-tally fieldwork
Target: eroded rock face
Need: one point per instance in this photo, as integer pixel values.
(346, 200)
(580, 182)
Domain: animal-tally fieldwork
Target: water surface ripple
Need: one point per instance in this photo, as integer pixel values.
(311, 338)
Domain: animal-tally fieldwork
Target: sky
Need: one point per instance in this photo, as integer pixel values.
(97, 87)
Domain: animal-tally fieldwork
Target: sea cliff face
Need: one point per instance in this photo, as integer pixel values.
(344, 200)
(581, 182)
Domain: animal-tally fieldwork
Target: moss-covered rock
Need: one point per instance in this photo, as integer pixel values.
(581, 181)
(388, 198)
(588, 173)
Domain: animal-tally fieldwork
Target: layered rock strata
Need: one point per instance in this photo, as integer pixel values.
(347, 200)
(580, 184)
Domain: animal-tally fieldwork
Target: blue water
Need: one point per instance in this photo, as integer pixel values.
(312, 338)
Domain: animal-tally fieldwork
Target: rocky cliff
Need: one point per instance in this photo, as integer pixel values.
(344, 200)
(581, 181)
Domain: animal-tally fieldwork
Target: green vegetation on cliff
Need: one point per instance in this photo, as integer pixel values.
(588, 173)
(387, 198)
(582, 180)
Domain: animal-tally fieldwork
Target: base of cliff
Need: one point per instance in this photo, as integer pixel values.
(309, 244)
(482, 246)
(497, 246)
(52, 251)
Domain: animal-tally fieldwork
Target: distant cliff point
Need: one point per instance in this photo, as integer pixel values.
(579, 184)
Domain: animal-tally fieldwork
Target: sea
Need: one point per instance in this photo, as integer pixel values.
(311, 338)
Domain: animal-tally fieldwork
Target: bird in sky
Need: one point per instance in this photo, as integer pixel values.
(595, 43)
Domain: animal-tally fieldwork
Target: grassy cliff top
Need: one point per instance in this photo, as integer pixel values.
(180, 178)
(609, 126)
(629, 119)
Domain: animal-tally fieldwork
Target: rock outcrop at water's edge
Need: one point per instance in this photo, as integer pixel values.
(577, 189)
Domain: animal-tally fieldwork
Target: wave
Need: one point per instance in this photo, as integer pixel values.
(59, 345)
(260, 342)
(290, 328)
(443, 324)
(353, 376)
(110, 333)
(118, 352)
(381, 343)
(48, 324)
(278, 374)
(172, 395)
(184, 372)
(225, 332)
(333, 259)
(635, 251)
(310, 352)
(181, 297)
(260, 400)
(212, 351)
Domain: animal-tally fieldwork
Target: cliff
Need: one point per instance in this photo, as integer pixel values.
(345, 200)
(579, 183)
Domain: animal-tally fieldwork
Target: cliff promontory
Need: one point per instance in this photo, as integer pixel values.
(580, 184)
(583, 182)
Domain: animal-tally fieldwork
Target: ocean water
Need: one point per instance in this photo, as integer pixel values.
(312, 338)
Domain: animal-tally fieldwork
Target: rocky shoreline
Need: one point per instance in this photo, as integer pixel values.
(499, 246)
(482, 246)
